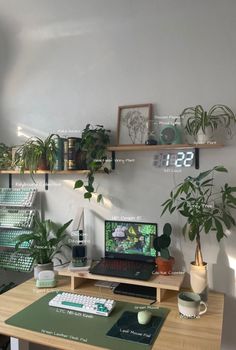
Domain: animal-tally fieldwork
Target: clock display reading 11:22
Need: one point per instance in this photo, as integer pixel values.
(176, 159)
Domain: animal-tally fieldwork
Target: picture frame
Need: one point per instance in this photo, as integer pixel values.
(133, 124)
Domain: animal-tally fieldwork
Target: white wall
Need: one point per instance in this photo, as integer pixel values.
(65, 63)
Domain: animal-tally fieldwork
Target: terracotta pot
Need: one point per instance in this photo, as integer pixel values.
(199, 280)
(43, 164)
(42, 267)
(165, 266)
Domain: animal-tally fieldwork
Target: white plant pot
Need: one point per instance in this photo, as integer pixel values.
(42, 267)
(203, 138)
(199, 280)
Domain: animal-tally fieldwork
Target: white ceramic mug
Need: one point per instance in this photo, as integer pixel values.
(189, 305)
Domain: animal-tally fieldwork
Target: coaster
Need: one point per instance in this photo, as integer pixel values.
(128, 328)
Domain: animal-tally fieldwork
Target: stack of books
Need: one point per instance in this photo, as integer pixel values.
(69, 154)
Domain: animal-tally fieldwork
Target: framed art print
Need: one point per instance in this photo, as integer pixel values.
(133, 124)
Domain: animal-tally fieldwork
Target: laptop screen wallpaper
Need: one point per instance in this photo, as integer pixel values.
(130, 238)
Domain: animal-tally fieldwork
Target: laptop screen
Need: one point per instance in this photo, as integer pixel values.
(130, 240)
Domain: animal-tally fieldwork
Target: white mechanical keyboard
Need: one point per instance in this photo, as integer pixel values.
(83, 303)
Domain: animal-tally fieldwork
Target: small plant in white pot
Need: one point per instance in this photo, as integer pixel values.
(46, 239)
(207, 208)
(201, 124)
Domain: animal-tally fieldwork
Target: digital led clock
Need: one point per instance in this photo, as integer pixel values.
(175, 159)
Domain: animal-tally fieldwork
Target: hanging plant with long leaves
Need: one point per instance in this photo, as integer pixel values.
(198, 119)
(36, 152)
(94, 142)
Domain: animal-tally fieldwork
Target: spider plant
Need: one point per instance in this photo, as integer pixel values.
(36, 154)
(198, 119)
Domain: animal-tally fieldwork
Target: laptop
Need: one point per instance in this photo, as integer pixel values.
(129, 250)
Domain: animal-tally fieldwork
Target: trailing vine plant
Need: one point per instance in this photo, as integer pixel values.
(94, 142)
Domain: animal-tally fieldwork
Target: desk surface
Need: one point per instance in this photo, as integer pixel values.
(176, 333)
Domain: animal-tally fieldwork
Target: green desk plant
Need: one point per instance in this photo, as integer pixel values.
(200, 120)
(46, 239)
(5, 157)
(94, 142)
(37, 154)
(205, 207)
(164, 261)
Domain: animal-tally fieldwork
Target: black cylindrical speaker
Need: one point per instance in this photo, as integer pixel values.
(79, 258)
(79, 251)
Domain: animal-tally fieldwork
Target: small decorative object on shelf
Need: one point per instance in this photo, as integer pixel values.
(201, 124)
(94, 142)
(133, 124)
(164, 262)
(206, 209)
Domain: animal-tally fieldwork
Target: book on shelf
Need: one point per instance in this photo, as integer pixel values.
(59, 164)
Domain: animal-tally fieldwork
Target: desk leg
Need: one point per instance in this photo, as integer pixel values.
(19, 344)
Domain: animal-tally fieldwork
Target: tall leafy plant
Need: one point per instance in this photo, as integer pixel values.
(47, 239)
(205, 207)
(94, 142)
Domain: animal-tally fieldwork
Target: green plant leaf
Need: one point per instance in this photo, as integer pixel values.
(165, 253)
(89, 188)
(220, 169)
(192, 234)
(99, 198)
(87, 195)
(219, 229)
(78, 184)
(208, 225)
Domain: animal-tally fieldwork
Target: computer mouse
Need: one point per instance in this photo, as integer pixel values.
(144, 317)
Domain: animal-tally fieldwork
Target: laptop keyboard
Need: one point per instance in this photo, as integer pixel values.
(124, 268)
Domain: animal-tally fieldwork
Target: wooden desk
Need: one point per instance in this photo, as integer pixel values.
(176, 333)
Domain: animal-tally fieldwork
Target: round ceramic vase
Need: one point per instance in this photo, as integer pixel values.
(199, 280)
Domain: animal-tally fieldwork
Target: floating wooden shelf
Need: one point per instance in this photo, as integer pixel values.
(46, 174)
(154, 148)
(113, 150)
(43, 172)
(160, 282)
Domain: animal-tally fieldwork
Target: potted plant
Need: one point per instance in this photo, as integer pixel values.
(164, 261)
(94, 142)
(37, 154)
(206, 208)
(47, 239)
(200, 122)
(5, 157)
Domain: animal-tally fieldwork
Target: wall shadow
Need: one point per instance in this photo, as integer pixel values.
(223, 276)
(8, 55)
(224, 281)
